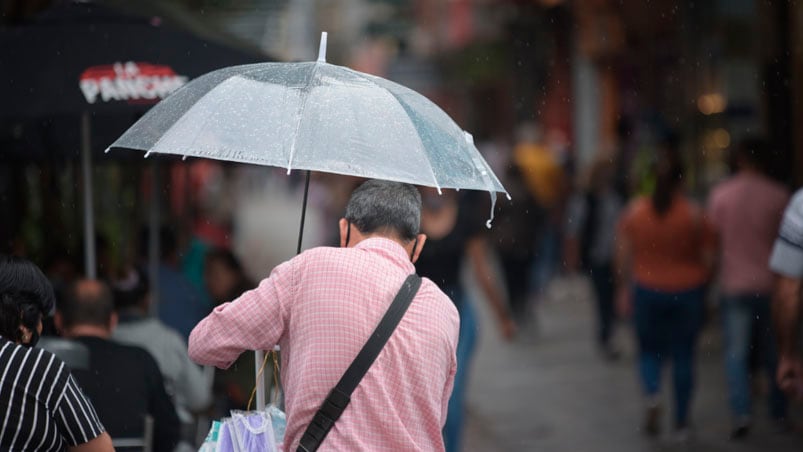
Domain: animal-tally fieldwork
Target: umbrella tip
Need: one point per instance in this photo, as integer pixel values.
(107, 150)
(322, 48)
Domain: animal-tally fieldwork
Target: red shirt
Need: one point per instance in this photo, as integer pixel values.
(321, 307)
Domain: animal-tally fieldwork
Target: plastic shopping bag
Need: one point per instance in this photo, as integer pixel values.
(247, 431)
(210, 443)
(279, 422)
(252, 431)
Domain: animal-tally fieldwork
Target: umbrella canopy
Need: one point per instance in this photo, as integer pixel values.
(314, 116)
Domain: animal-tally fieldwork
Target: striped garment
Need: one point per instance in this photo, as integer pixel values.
(41, 406)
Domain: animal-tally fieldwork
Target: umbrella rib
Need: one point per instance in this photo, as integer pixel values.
(494, 180)
(423, 147)
(183, 117)
(301, 115)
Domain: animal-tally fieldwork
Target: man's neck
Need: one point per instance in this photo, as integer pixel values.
(88, 330)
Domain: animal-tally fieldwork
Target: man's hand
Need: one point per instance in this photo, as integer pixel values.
(786, 315)
(790, 375)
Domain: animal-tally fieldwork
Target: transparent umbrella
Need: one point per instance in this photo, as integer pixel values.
(314, 116)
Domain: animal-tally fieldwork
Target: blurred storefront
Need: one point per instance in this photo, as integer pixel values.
(600, 77)
(714, 72)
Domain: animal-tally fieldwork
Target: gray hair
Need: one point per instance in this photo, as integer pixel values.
(379, 206)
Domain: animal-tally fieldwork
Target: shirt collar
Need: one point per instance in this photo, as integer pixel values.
(389, 248)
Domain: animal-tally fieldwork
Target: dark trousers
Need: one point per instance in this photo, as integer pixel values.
(517, 271)
(667, 326)
(602, 282)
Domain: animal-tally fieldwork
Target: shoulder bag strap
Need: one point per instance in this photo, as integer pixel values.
(340, 396)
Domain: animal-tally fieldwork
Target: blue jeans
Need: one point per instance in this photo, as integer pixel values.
(453, 430)
(667, 326)
(743, 316)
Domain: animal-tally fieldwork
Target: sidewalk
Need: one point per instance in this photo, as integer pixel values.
(551, 391)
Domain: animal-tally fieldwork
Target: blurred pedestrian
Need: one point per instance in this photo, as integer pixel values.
(747, 209)
(787, 262)
(185, 382)
(544, 177)
(514, 235)
(323, 305)
(181, 306)
(224, 276)
(44, 409)
(663, 259)
(454, 234)
(123, 381)
(226, 280)
(590, 231)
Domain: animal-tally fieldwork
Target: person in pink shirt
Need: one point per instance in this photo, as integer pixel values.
(321, 307)
(747, 210)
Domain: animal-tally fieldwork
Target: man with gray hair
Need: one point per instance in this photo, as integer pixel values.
(323, 305)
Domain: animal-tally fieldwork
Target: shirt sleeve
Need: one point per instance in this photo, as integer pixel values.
(75, 415)
(787, 253)
(254, 321)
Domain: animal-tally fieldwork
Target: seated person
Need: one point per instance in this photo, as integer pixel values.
(123, 382)
(184, 380)
(34, 417)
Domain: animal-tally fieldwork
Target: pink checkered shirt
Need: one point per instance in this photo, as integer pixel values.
(321, 307)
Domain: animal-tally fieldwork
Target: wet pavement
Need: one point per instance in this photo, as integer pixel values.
(551, 391)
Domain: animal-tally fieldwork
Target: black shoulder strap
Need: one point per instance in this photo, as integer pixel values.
(340, 396)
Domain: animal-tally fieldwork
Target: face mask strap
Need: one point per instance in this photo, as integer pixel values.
(348, 233)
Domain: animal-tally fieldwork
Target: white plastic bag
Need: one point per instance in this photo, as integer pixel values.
(252, 431)
(248, 431)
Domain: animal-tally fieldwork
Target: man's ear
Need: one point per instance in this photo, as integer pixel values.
(113, 321)
(419, 245)
(343, 224)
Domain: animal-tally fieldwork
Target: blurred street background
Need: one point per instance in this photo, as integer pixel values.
(565, 100)
(555, 393)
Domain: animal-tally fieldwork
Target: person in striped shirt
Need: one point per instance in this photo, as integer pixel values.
(42, 408)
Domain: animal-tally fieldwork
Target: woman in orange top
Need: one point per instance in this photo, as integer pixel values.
(663, 253)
